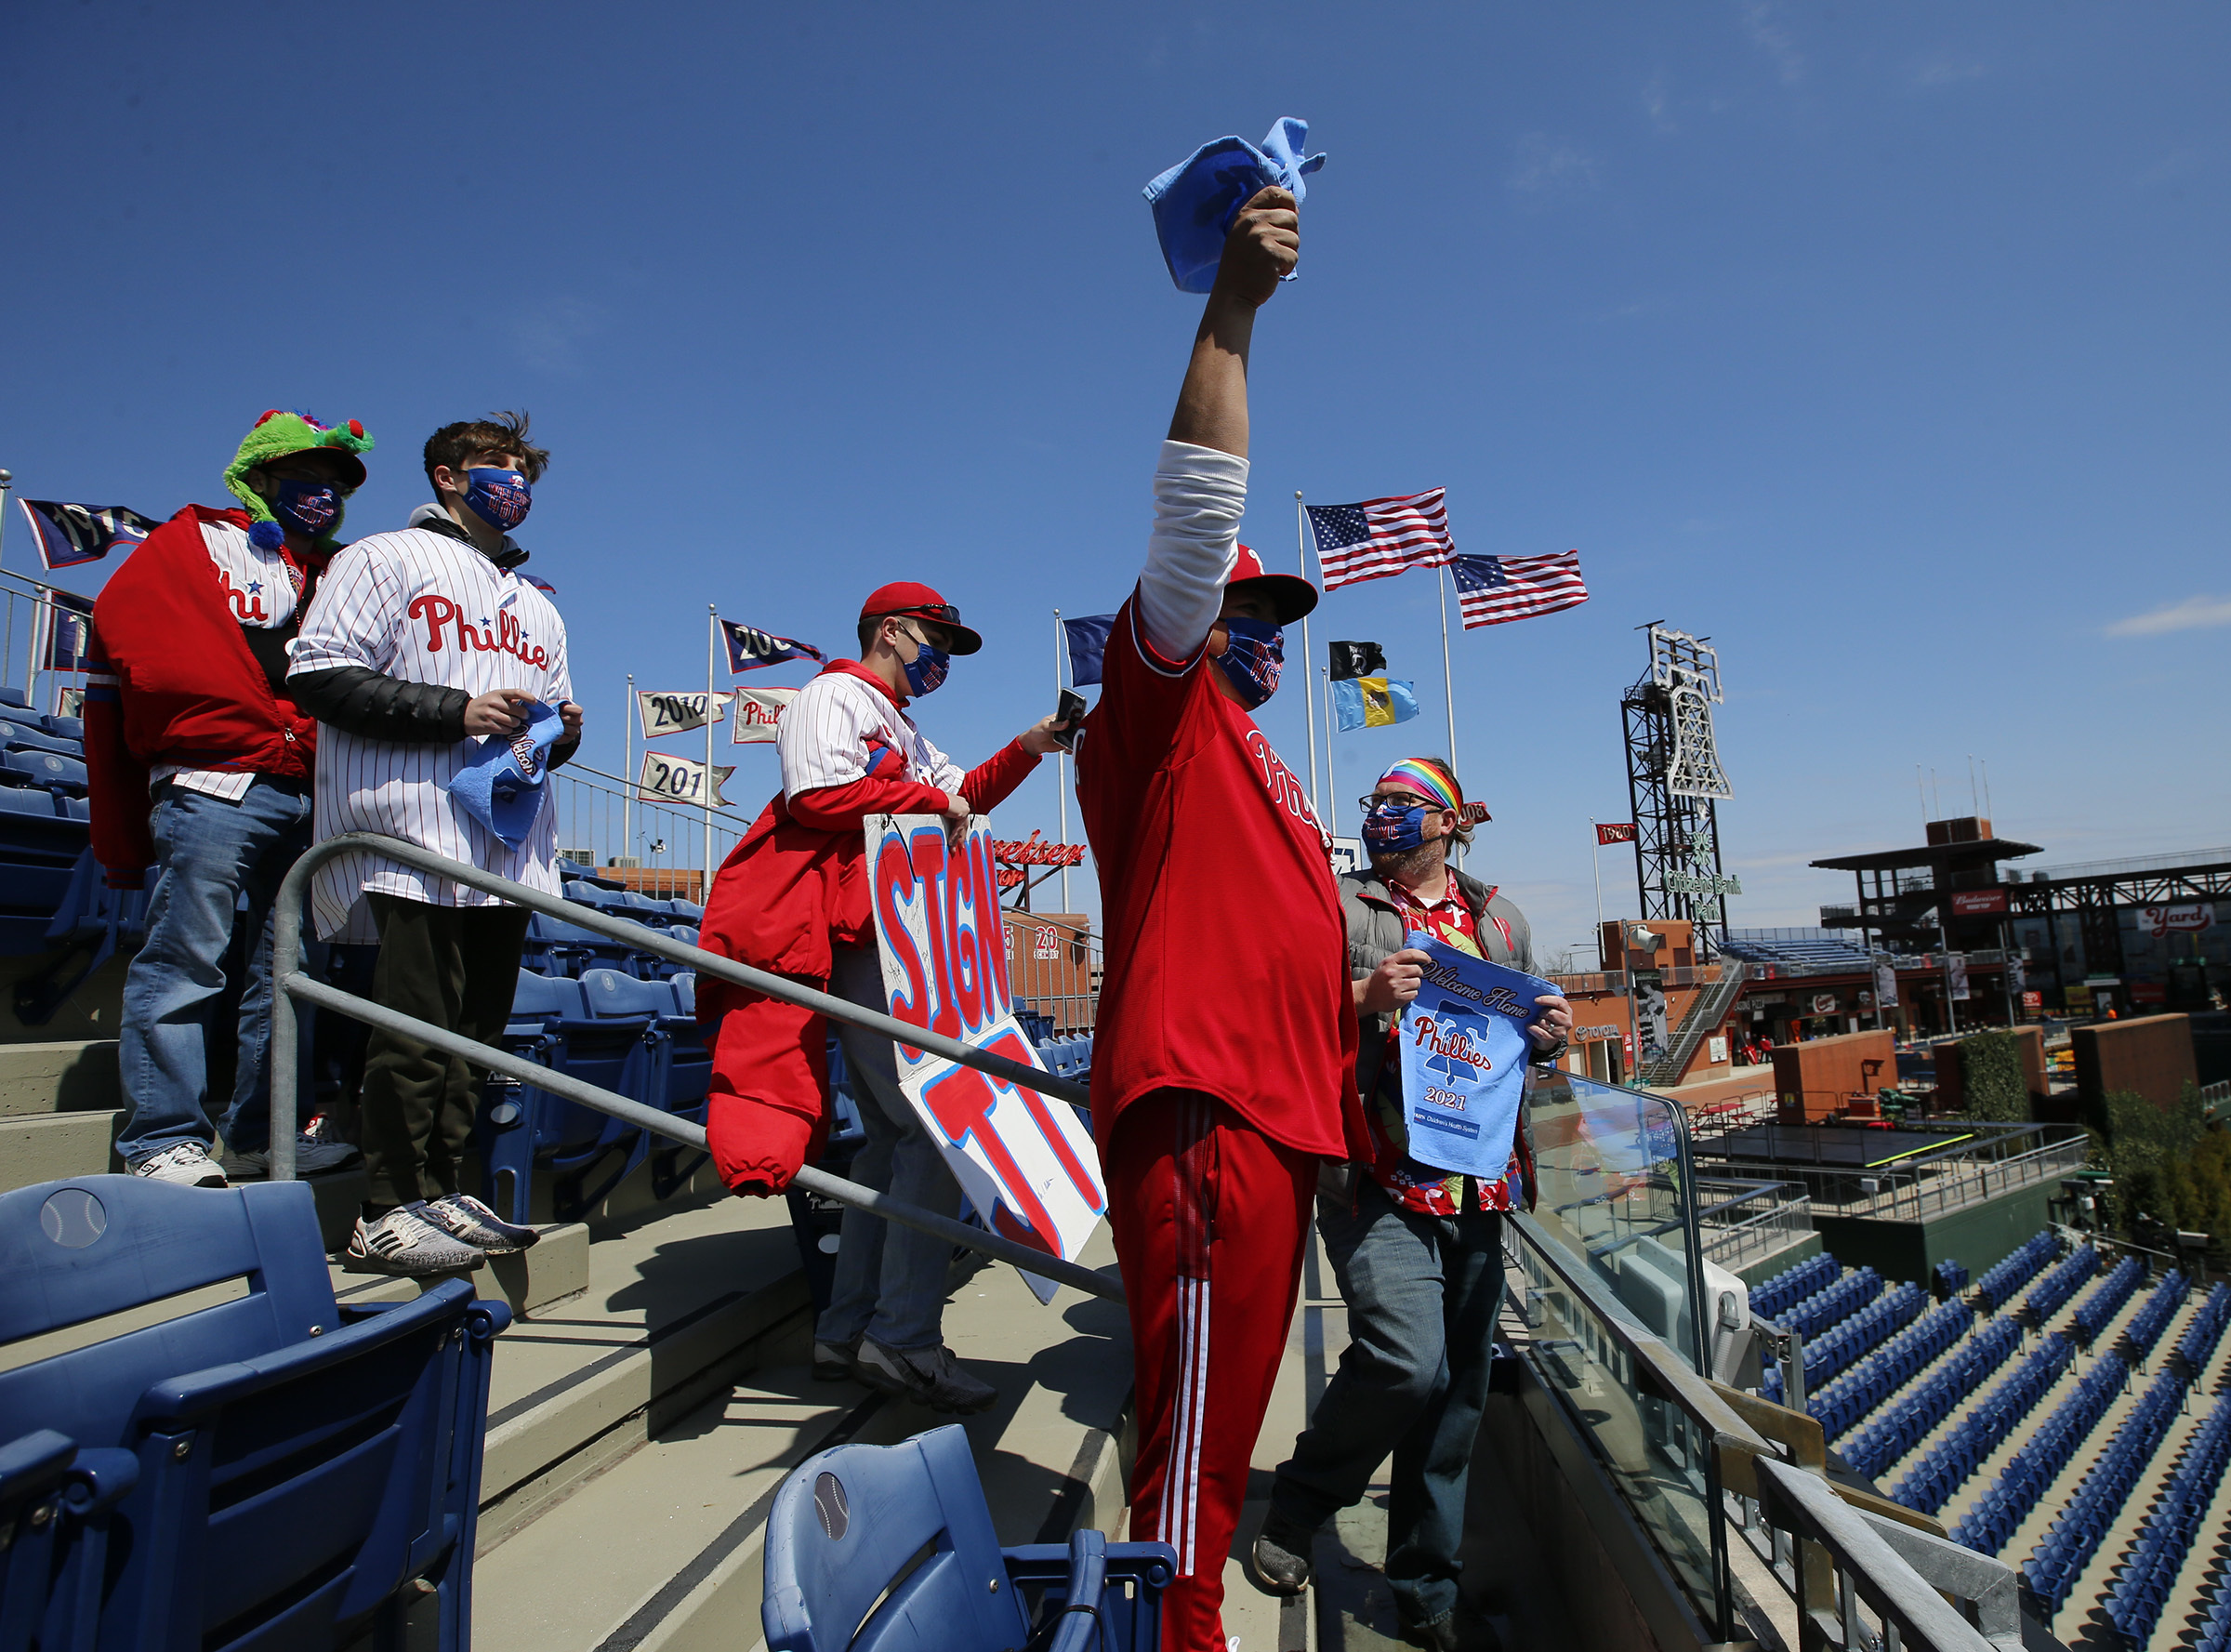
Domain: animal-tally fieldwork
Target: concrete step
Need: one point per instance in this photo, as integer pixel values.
(50, 1146)
(64, 1075)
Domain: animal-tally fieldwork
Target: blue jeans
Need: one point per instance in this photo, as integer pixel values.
(1422, 1295)
(210, 853)
(890, 1280)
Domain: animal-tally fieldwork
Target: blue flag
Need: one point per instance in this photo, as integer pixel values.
(70, 534)
(1464, 1053)
(748, 649)
(1197, 202)
(1087, 642)
(1373, 702)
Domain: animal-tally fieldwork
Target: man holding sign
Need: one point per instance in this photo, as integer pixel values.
(793, 899)
(1418, 1250)
(1224, 1057)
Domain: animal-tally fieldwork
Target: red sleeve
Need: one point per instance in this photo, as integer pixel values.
(123, 838)
(836, 807)
(993, 781)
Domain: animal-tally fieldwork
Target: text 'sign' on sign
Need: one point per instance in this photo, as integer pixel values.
(1025, 1160)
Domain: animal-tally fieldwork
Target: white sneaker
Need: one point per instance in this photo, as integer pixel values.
(186, 1164)
(463, 1217)
(313, 1158)
(405, 1242)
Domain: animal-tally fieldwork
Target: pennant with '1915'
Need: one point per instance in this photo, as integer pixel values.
(1025, 1160)
(1464, 1050)
(676, 714)
(760, 715)
(677, 780)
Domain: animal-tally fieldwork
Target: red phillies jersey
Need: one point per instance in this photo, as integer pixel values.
(1227, 967)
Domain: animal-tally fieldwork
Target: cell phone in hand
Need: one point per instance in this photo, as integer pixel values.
(1070, 711)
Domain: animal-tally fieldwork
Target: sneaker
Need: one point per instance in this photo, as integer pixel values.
(835, 1362)
(313, 1158)
(405, 1242)
(186, 1164)
(463, 1217)
(929, 1375)
(1281, 1556)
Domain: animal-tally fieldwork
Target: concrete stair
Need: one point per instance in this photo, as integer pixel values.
(59, 1110)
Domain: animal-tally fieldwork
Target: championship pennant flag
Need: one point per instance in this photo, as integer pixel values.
(760, 715)
(749, 650)
(70, 534)
(66, 628)
(677, 714)
(1379, 537)
(1087, 642)
(1494, 590)
(1373, 702)
(677, 780)
(1357, 659)
(1614, 831)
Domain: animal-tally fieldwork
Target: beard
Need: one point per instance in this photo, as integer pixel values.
(1405, 867)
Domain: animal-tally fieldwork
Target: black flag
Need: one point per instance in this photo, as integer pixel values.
(1357, 659)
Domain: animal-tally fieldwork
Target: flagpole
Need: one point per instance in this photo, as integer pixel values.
(628, 774)
(1332, 786)
(712, 654)
(1308, 689)
(1448, 681)
(7, 644)
(1595, 860)
(1060, 760)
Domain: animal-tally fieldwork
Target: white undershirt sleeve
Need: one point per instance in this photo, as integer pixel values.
(1200, 494)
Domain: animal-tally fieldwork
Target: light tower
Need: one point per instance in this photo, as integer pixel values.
(1674, 782)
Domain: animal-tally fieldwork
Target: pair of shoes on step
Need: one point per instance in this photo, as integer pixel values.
(928, 1376)
(445, 1235)
(188, 1163)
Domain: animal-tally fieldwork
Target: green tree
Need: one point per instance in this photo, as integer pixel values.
(1993, 1090)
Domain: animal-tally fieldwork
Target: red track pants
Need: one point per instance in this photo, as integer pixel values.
(1209, 1217)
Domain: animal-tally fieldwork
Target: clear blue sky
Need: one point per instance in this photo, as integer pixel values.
(1886, 344)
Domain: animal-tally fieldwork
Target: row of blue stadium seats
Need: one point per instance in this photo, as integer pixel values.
(2153, 1317)
(1844, 1403)
(1997, 1288)
(2032, 1470)
(2198, 1345)
(1944, 1468)
(1793, 1285)
(635, 907)
(2075, 1536)
(1851, 1340)
(267, 1468)
(1887, 1438)
(555, 947)
(2052, 1293)
(1839, 1301)
(1951, 1278)
(2104, 1300)
(2149, 1572)
(63, 734)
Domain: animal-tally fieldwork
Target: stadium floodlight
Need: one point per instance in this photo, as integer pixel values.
(1689, 672)
(1643, 940)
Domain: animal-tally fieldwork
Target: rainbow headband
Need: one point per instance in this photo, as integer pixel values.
(1437, 783)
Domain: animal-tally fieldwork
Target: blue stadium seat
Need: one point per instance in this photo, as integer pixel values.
(49, 769)
(520, 1125)
(16, 737)
(65, 728)
(556, 947)
(14, 696)
(848, 1525)
(40, 848)
(267, 1471)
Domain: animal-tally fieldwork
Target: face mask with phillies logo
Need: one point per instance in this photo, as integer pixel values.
(500, 498)
(1252, 658)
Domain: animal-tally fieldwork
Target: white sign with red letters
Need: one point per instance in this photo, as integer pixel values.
(2158, 921)
(1025, 1160)
(760, 715)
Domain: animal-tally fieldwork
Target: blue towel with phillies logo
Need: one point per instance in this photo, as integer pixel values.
(502, 785)
(1464, 1053)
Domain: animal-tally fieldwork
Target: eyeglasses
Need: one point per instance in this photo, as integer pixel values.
(1400, 800)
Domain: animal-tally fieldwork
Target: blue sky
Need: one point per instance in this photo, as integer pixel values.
(1884, 344)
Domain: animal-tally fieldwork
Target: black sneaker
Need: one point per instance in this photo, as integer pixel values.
(835, 1362)
(931, 1375)
(463, 1217)
(1281, 1556)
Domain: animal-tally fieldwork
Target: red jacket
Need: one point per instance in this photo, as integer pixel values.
(171, 679)
(797, 885)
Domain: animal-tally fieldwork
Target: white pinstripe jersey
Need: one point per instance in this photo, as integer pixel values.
(259, 586)
(834, 728)
(425, 608)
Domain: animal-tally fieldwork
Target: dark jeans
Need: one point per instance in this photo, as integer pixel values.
(1422, 1294)
(456, 967)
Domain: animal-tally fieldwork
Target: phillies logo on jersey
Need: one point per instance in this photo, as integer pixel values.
(246, 605)
(505, 636)
(1278, 780)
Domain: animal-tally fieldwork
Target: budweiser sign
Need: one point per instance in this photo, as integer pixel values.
(1033, 850)
(1978, 902)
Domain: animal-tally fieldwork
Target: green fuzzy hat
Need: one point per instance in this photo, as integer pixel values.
(276, 434)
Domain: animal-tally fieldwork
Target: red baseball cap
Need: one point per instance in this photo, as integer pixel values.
(1291, 596)
(919, 601)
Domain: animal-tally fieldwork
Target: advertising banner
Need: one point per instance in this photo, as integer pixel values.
(1978, 902)
(760, 715)
(1650, 1019)
(674, 714)
(1956, 974)
(1026, 1161)
(1464, 1048)
(2157, 921)
(1886, 984)
(677, 780)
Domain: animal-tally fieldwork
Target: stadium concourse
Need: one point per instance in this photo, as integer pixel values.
(2067, 1411)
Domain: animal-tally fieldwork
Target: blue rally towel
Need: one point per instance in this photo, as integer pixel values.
(503, 783)
(1197, 202)
(1464, 1053)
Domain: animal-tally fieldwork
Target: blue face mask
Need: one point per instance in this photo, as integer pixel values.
(500, 498)
(1252, 658)
(927, 670)
(307, 508)
(1390, 828)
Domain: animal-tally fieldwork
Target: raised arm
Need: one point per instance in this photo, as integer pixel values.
(1201, 483)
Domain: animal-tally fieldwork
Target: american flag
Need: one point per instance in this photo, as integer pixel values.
(1380, 536)
(1492, 590)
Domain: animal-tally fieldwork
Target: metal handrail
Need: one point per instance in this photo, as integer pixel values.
(288, 984)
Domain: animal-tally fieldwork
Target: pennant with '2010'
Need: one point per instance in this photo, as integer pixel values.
(1024, 1159)
(678, 713)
